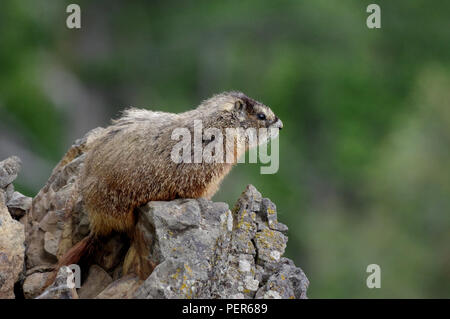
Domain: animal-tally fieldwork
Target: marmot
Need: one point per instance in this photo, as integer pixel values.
(130, 163)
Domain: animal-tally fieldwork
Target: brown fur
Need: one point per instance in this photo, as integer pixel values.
(130, 163)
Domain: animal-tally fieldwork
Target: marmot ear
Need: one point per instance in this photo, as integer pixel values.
(239, 105)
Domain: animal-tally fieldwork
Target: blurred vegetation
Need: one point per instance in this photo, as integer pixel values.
(365, 163)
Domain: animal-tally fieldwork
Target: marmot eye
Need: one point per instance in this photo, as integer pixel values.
(261, 116)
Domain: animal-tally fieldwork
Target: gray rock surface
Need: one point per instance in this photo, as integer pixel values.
(18, 204)
(12, 235)
(12, 250)
(204, 250)
(9, 169)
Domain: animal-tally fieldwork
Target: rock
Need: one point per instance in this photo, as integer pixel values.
(12, 238)
(62, 288)
(34, 284)
(96, 282)
(9, 190)
(182, 250)
(35, 252)
(270, 245)
(289, 282)
(18, 204)
(9, 168)
(124, 288)
(268, 213)
(51, 242)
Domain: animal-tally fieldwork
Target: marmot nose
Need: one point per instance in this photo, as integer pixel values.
(280, 124)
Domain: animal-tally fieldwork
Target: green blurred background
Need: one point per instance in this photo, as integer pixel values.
(364, 155)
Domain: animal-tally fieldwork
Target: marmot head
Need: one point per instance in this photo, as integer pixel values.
(239, 110)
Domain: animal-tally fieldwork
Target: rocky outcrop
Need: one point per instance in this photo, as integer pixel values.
(12, 237)
(197, 248)
(205, 250)
(13, 205)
